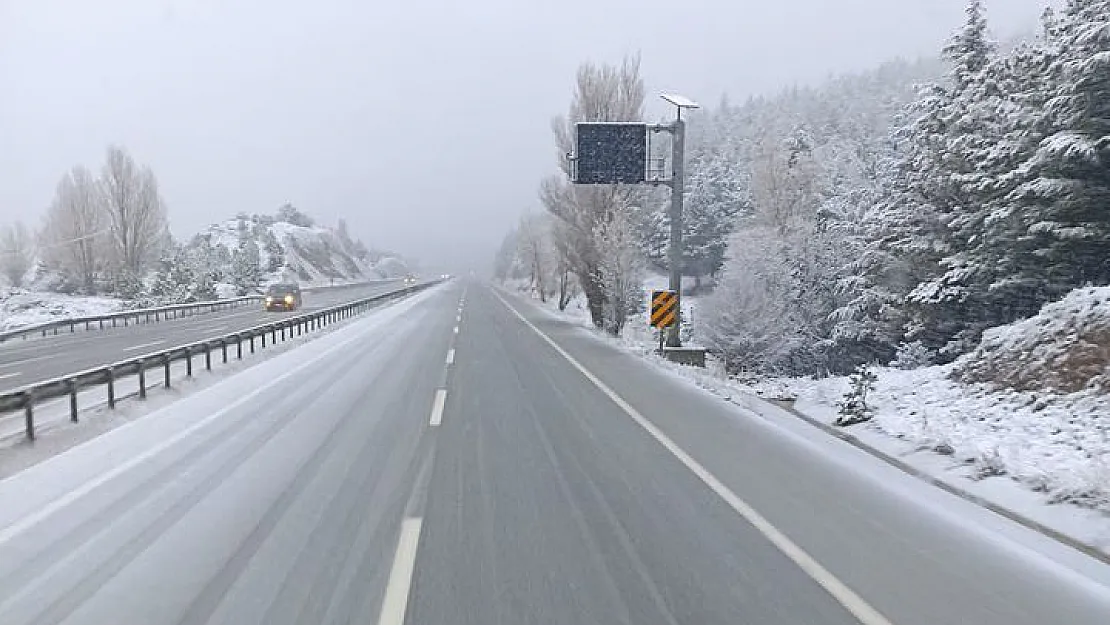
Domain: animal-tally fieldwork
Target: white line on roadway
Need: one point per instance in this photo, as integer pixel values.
(456, 329)
(396, 598)
(838, 589)
(451, 356)
(5, 376)
(27, 360)
(135, 348)
(437, 407)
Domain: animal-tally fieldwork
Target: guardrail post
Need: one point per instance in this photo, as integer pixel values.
(282, 334)
(71, 386)
(111, 388)
(273, 335)
(29, 415)
(72, 328)
(188, 362)
(86, 326)
(207, 357)
(113, 322)
(166, 364)
(125, 324)
(142, 380)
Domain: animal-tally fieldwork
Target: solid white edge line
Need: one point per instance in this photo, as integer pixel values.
(396, 600)
(27, 522)
(437, 407)
(451, 356)
(838, 589)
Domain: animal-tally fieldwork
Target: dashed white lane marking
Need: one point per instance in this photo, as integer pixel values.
(437, 408)
(5, 376)
(396, 599)
(450, 356)
(135, 348)
(456, 329)
(847, 597)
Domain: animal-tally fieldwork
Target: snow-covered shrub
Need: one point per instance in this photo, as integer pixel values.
(853, 407)
(1065, 348)
(913, 355)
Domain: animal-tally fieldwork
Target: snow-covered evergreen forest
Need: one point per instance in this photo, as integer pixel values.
(891, 214)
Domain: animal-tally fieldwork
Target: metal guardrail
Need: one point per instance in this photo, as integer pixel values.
(25, 398)
(172, 311)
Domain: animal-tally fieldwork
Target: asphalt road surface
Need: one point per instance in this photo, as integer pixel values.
(36, 359)
(442, 462)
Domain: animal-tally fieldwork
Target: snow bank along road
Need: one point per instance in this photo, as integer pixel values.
(43, 358)
(440, 461)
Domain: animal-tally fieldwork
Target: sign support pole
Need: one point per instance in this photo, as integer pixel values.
(674, 253)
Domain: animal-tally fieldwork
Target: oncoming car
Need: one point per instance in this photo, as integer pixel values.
(410, 280)
(285, 296)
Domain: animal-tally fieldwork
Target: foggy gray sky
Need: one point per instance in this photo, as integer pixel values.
(424, 123)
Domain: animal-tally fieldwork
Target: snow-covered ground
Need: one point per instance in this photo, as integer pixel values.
(21, 308)
(1030, 451)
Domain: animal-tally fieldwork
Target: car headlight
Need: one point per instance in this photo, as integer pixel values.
(288, 299)
(269, 300)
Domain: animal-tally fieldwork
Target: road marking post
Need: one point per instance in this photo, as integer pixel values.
(860, 609)
(437, 407)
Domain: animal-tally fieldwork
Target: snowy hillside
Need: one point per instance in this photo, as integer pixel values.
(252, 251)
(1029, 402)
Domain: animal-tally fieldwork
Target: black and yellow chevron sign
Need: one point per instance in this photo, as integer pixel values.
(664, 308)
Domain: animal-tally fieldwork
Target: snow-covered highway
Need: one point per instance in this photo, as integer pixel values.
(459, 457)
(25, 362)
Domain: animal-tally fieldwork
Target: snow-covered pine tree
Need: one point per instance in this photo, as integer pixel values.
(246, 269)
(716, 195)
(275, 253)
(1066, 192)
(927, 197)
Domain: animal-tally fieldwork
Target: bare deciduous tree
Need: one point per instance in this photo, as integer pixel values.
(602, 93)
(74, 232)
(136, 212)
(621, 268)
(16, 253)
(535, 251)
